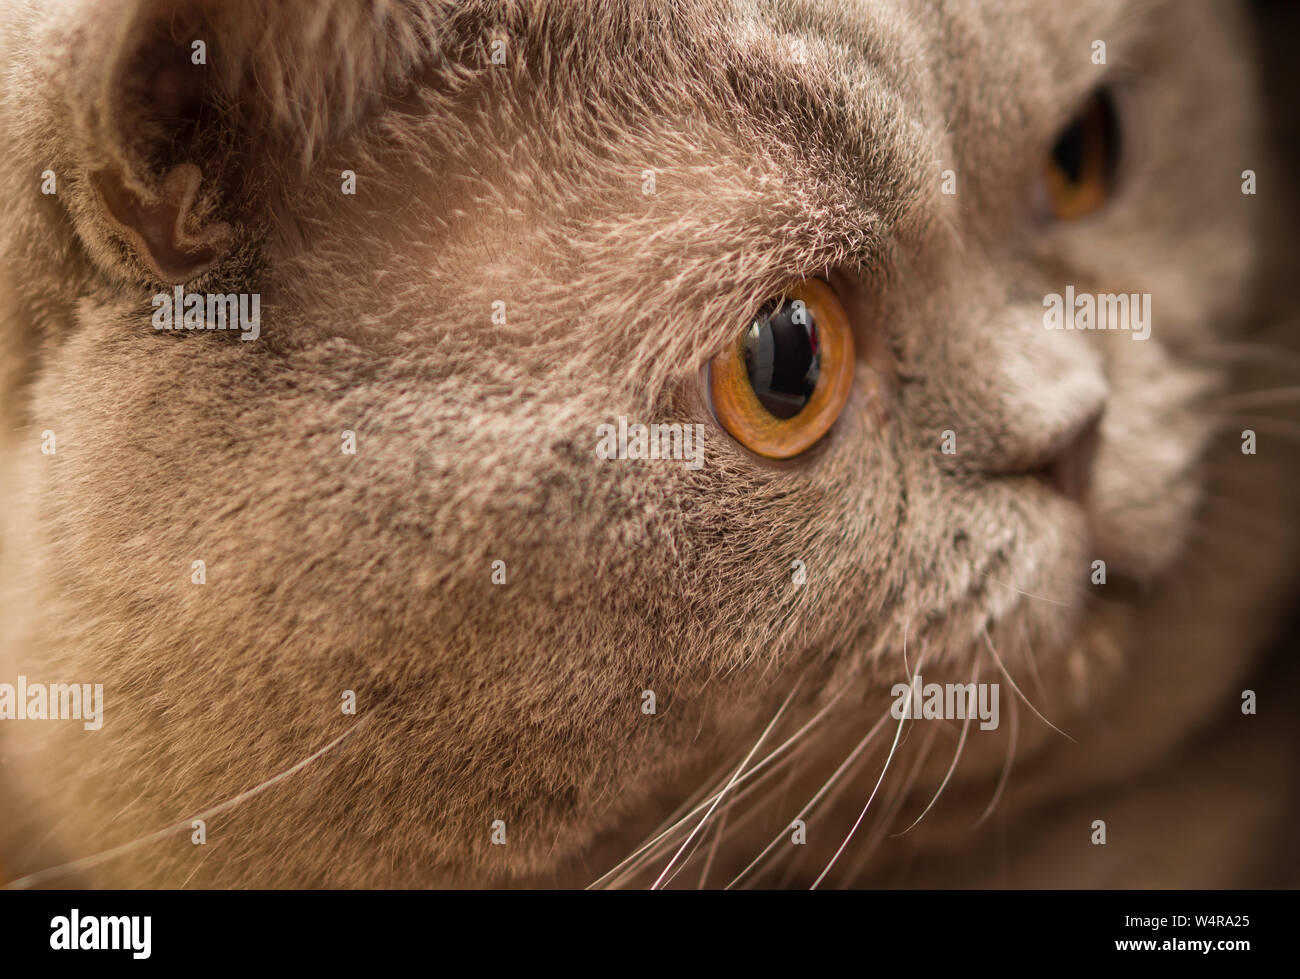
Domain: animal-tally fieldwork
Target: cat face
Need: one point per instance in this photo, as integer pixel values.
(478, 236)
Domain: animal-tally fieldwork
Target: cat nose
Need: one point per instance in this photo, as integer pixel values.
(1061, 456)
(1048, 413)
(1032, 400)
(1066, 464)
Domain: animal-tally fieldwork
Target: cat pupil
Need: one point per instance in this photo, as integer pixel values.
(1068, 152)
(1095, 133)
(781, 356)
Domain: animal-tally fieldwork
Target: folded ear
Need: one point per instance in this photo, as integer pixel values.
(182, 115)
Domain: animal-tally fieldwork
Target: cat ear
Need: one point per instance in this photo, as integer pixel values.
(161, 227)
(185, 114)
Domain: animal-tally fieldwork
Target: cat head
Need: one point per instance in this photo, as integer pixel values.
(487, 239)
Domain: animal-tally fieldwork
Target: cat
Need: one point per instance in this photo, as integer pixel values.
(369, 608)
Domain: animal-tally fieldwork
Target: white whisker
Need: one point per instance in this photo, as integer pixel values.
(739, 771)
(1012, 738)
(713, 847)
(998, 659)
(95, 859)
(858, 822)
(641, 852)
(1265, 398)
(1027, 594)
(956, 757)
(887, 819)
(811, 803)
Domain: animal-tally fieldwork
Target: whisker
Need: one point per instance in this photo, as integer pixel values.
(760, 808)
(693, 803)
(1034, 673)
(906, 670)
(956, 756)
(827, 805)
(200, 863)
(1263, 398)
(858, 822)
(835, 777)
(1272, 354)
(1013, 736)
(1264, 423)
(811, 803)
(887, 819)
(1018, 591)
(95, 859)
(757, 744)
(664, 844)
(683, 864)
(998, 659)
(713, 848)
(622, 865)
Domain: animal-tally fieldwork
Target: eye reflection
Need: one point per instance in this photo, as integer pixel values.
(781, 358)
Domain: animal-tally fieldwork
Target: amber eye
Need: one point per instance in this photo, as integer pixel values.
(1082, 165)
(780, 385)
